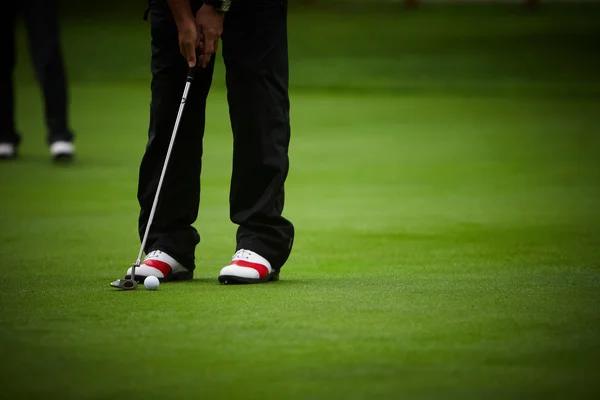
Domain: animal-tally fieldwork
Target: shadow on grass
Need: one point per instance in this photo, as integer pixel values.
(79, 162)
(40, 159)
(214, 281)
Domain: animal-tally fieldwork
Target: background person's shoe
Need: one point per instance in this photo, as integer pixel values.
(161, 265)
(248, 267)
(62, 151)
(7, 151)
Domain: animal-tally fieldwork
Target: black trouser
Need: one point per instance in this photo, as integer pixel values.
(256, 60)
(41, 19)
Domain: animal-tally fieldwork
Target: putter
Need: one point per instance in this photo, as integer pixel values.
(131, 283)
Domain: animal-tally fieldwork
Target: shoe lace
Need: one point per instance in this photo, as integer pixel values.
(241, 254)
(153, 254)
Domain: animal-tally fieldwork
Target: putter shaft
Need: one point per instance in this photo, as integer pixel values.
(131, 283)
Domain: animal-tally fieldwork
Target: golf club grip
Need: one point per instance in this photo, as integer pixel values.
(190, 74)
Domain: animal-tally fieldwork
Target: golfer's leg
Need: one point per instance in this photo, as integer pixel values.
(256, 59)
(172, 230)
(44, 41)
(7, 96)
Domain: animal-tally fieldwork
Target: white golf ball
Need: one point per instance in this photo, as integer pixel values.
(151, 283)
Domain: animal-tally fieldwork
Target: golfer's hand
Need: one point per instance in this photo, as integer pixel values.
(188, 40)
(209, 23)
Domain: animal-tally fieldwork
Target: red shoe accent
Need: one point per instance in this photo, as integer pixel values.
(263, 271)
(159, 265)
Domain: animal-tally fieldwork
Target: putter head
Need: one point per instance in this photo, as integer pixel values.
(124, 284)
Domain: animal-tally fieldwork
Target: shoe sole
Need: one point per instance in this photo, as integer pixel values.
(180, 276)
(237, 280)
(63, 158)
(13, 156)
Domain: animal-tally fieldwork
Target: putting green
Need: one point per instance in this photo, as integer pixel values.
(444, 184)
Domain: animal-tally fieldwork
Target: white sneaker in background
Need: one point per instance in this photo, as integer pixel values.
(62, 150)
(7, 150)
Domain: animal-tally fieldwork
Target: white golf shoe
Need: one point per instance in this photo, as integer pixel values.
(7, 151)
(62, 150)
(248, 267)
(161, 265)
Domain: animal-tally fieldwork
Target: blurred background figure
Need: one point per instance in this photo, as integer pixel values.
(41, 21)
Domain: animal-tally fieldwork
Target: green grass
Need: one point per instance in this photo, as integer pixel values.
(445, 188)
